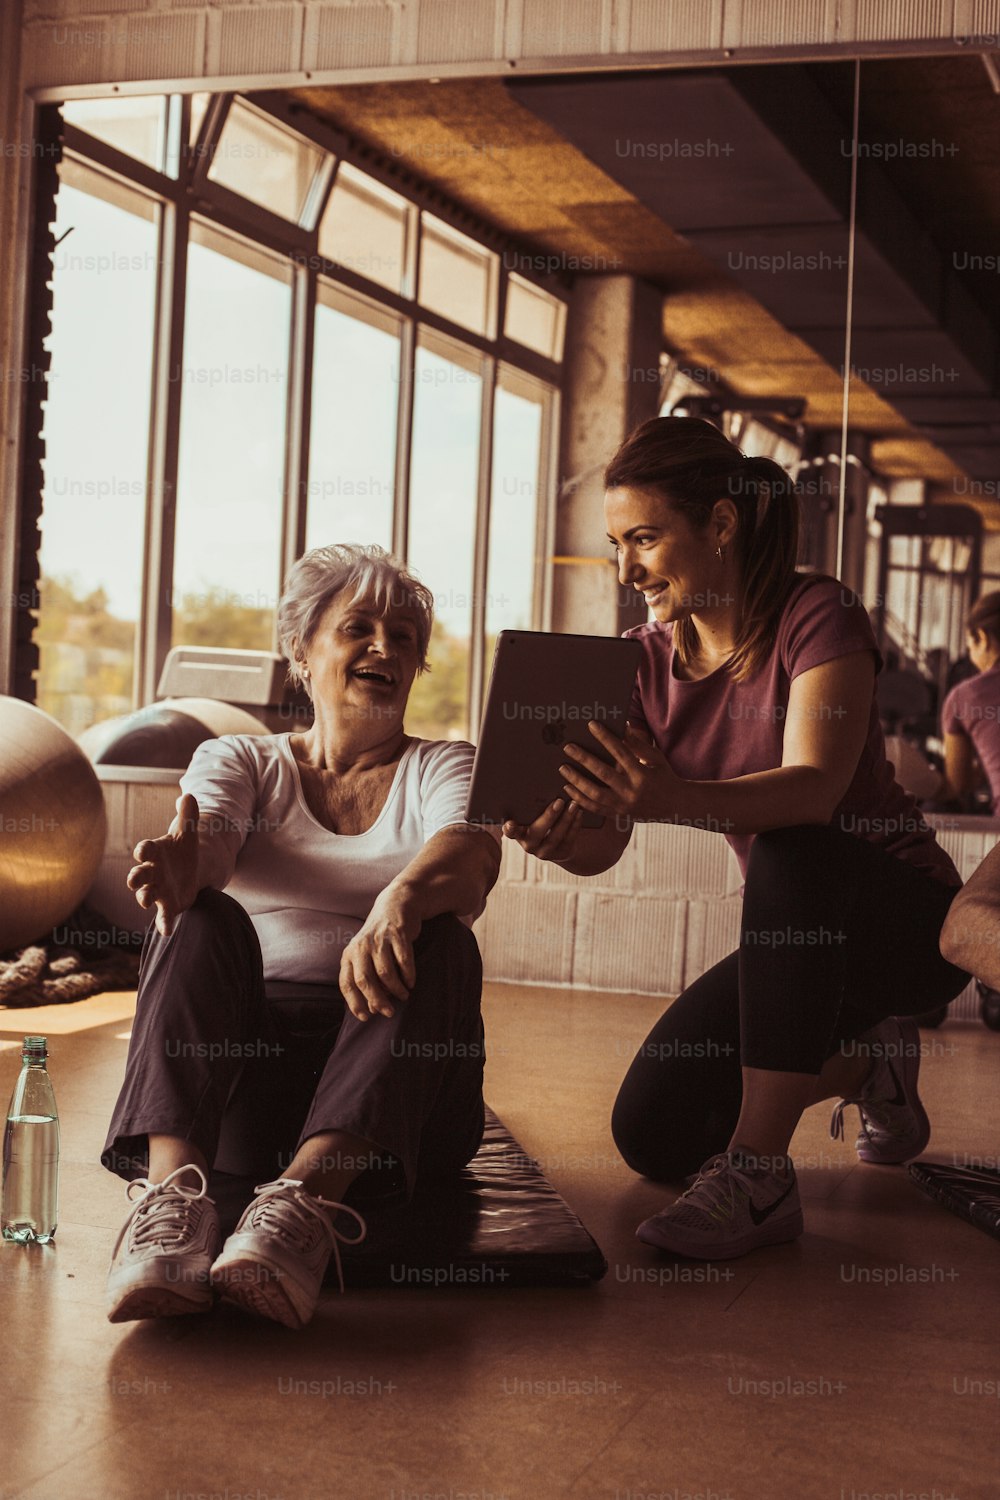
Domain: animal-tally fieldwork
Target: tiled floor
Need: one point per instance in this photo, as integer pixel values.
(792, 1373)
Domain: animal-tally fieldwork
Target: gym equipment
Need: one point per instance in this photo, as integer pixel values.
(973, 1193)
(498, 1223)
(52, 823)
(256, 681)
(165, 735)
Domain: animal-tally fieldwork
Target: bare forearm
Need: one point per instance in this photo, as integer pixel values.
(970, 938)
(216, 861)
(599, 848)
(454, 872)
(781, 798)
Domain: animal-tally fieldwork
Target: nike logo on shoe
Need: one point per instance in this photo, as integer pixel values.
(758, 1215)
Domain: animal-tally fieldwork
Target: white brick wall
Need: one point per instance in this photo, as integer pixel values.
(650, 925)
(288, 42)
(668, 911)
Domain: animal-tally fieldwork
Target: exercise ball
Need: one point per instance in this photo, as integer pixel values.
(165, 735)
(52, 823)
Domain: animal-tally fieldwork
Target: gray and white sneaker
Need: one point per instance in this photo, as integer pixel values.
(274, 1262)
(163, 1256)
(894, 1123)
(738, 1202)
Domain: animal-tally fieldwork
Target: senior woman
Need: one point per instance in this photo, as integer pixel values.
(332, 870)
(755, 716)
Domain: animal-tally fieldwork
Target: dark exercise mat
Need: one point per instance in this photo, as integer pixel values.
(497, 1223)
(971, 1192)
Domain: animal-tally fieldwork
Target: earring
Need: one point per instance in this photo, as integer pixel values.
(720, 554)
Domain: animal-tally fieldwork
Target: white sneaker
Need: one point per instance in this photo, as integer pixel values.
(894, 1123)
(738, 1202)
(163, 1256)
(274, 1262)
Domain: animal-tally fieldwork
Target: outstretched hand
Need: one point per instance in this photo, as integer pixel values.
(165, 874)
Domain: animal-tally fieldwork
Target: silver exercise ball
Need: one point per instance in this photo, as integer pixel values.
(52, 823)
(220, 718)
(164, 734)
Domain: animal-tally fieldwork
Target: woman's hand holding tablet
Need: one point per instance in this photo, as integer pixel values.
(553, 834)
(639, 785)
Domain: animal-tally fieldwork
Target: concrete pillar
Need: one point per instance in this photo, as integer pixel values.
(614, 339)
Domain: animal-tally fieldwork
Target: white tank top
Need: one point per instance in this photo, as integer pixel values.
(307, 890)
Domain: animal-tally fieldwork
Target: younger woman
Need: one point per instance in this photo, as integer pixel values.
(755, 716)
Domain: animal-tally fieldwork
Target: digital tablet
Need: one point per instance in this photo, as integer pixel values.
(543, 691)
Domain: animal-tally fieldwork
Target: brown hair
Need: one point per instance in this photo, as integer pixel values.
(985, 615)
(691, 464)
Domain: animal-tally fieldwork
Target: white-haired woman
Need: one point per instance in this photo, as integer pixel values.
(351, 879)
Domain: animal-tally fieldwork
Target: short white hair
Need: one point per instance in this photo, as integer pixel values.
(370, 573)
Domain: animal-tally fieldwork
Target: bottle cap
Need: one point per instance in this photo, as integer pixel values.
(34, 1049)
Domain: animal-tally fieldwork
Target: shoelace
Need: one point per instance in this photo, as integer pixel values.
(162, 1215)
(718, 1189)
(274, 1204)
(880, 1112)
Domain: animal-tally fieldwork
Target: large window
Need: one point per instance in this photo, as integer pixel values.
(303, 349)
(352, 447)
(136, 126)
(515, 557)
(367, 228)
(447, 405)
(96, 440)
(261, 161)
(227, 546)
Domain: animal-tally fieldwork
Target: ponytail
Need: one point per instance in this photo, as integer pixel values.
(766, 548)
(690, 464)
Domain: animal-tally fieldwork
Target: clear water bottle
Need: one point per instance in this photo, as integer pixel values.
(31, 1152)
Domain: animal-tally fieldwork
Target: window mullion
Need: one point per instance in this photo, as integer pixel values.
(480, 553)
(404, 439)
(545, 514)
(155, 616)
(298, 418)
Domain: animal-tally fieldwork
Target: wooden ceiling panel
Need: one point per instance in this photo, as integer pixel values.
(474, 142)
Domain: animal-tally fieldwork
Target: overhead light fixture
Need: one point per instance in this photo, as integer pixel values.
(791, 407)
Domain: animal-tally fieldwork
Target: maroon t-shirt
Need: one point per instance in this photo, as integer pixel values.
(716, 729)
(972, 708)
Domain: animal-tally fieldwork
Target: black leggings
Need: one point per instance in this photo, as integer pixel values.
(836, 935)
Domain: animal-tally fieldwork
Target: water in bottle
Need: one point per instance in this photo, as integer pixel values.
(31, 1152)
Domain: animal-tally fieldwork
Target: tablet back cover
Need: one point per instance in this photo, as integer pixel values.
(542, 691)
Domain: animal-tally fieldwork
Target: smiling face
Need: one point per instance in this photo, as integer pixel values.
(662, 556)
(362, 662)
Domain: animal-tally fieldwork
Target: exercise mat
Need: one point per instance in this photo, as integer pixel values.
(498, 1223)
(971, 1192)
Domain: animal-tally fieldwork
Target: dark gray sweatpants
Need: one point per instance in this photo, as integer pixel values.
(247, 1071)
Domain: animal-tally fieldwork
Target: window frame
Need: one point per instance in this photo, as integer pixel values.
(192, 194)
